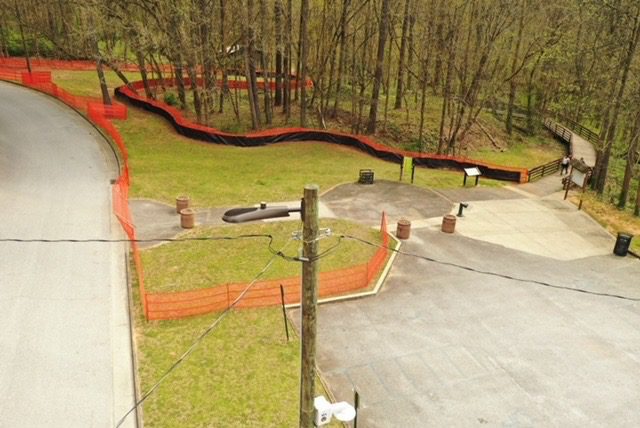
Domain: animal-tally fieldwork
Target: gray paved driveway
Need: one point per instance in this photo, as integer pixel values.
(65, 359)
(441, 346)
(365, 202)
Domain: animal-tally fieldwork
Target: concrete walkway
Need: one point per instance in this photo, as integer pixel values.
(65, 345)
(580, 148)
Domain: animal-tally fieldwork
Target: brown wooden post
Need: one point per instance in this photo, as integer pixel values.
(309, 301)
(284, 312)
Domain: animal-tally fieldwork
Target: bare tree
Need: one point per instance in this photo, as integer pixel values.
(377, 80)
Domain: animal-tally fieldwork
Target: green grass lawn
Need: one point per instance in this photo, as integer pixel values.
(400, 129)
(610, 217)
(165, 165)
(538, 151)
(189, 265)
(244, 374)
(86, 83)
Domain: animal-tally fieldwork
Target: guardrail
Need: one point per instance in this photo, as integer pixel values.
(546, 169)
(559, 130)
(580, 129)
(500, 108)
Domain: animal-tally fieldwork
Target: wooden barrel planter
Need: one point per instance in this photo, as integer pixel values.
(449, 223)
(182, 202)
(403, 230)
(187, 218)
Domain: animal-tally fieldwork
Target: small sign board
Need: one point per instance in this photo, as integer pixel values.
(407, 164)
(471, 172)
(580, 174)
(578, 177)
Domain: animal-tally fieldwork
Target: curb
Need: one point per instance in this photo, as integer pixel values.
(360, 295)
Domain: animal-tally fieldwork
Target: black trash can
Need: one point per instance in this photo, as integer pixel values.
(622, 244)
(366, 176)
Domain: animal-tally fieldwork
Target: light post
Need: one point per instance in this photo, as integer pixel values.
(309, 297)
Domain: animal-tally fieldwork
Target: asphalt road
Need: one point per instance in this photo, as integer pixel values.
(65, 356)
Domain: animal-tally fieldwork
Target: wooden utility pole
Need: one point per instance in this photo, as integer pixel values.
(309, 301)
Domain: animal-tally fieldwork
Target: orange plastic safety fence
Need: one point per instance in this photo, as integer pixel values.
(176, 305)
(52, 64)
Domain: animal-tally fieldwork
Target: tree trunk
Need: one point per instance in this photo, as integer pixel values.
(332, 71)
(632, 161)
(193, 78)
(24, 42)
(143, 73)
(446, 99)
(412, 22)
(401, 56)
(4, 50)
(265, 62)
(343, 54)
(180, 84)
(387, 82)
(106, 98)
(208, 67)
(603, 161)
(287, 62)
(636, 209)
(363, 71)
(531, 128)
(514, 65)
(278, 12)
(159, 72)
(224, 91)
(423, 104)
(377, 80)
(440, 44)
(256, 120)
(304, 46)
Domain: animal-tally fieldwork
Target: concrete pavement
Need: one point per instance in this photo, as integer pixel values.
(65, 357)
(441, 346)
(582, 149)
(155, 219)
(550, 228)
(445, 346)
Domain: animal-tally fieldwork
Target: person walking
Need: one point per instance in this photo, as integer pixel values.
(566, 161)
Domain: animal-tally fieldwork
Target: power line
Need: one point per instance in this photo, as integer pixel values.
(204, 334)
(496, 274)
(185, 239)
(102, 240)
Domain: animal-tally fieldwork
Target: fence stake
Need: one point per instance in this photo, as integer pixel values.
(284, 313)
(356, 404)
(413, 170)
